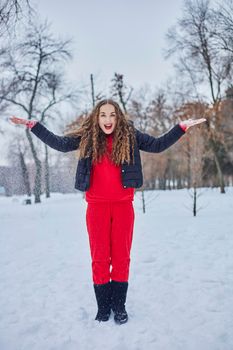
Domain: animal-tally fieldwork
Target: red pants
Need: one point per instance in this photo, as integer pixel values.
(110, 229)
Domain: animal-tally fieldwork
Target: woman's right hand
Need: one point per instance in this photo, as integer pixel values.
(16, 120)
(29, 123)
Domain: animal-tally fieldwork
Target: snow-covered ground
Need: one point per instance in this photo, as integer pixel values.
(180, 294)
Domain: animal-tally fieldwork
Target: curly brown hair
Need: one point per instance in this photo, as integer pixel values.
(93, 139)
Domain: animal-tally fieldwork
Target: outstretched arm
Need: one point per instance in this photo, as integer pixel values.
(59, 143)
(149, 143)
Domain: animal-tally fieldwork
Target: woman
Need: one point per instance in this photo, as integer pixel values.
(108, 171)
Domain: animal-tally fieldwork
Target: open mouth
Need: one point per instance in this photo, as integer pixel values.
(108, 126)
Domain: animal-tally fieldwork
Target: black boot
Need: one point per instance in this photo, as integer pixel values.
(119, 292)
(103, 298)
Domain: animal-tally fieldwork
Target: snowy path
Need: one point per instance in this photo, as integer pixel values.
(180, 293)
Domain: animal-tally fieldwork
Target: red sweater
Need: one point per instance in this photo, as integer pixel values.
(105, 180)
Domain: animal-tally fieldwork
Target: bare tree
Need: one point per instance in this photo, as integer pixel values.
(121, 91)
(203, 62)
(223, 16)
(194, 152)
(10, 12)
(95, 97)
(34, 81)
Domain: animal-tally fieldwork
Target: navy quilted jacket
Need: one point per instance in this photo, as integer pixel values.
(132, 175)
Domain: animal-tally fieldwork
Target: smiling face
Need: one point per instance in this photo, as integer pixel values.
(107, 118)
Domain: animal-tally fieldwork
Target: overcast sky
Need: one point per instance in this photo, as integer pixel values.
(123, 36)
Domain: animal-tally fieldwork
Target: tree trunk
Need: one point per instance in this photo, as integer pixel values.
(189, 165)
(173, 181)
(37, 185)
(47, 185)
(25, 174)
(178, 183)
(218, 165)
(143, 203)
(169, 183)
(195, 200)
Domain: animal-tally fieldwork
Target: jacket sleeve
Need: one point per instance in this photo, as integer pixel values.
(149, 143)
(59, 143)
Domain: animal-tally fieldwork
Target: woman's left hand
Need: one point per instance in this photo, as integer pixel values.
(190, 122)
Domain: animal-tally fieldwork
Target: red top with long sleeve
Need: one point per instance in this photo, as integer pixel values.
(105, 180)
